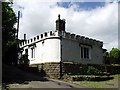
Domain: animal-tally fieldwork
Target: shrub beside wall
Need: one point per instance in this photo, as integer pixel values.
(71, 69)
(91, 78)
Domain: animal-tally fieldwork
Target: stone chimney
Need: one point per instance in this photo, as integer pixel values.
(60, 24)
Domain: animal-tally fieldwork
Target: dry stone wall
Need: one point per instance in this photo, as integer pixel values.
(52, 70)
(57, 70)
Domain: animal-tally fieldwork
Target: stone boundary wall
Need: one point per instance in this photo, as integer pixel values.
(58, 70)
(51, 70)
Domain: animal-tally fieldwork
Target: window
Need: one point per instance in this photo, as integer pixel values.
(85, 49)
(85, 53)
(26, 51)
(32, 52)
(81, 52)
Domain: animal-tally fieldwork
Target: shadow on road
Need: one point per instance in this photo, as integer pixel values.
(13, 75)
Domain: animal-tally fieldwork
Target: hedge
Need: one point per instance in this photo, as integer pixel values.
(90, 78)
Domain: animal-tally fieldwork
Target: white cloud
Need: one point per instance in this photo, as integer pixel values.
(100, 23)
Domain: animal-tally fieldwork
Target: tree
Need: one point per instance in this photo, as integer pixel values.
(115, 55)
(9, 41)
(106, 57)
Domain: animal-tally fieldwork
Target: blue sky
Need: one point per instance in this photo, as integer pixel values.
(82, 5)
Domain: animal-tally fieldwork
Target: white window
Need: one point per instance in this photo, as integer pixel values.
(32, 52)
(85, 52)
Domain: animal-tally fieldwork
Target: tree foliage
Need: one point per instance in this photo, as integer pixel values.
(115, 53)
(112, 57)
(9, 41)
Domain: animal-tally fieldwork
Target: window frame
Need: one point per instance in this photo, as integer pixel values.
(85, 52)
(32, 52)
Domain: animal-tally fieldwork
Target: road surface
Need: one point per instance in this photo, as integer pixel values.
(15, 78)
(51, 83)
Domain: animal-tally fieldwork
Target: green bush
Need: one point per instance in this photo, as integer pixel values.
(92, 70)
(91, 78)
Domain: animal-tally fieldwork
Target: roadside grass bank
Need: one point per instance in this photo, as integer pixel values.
(113, 83)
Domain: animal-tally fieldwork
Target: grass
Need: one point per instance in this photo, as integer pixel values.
(115, 64)
(101, 84)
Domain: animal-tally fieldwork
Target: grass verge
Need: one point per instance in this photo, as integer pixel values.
(101, 84)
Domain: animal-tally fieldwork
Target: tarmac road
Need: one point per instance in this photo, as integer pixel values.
(16, 78)
(51, 83)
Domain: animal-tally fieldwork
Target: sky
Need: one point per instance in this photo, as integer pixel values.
(97, 20)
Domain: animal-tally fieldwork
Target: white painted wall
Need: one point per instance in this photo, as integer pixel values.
(71, 52)
(96, 55)
(49, 51)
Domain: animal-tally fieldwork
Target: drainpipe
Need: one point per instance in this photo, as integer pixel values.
(61, 58)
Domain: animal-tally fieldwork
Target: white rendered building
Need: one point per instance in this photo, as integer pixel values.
(62, 46)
